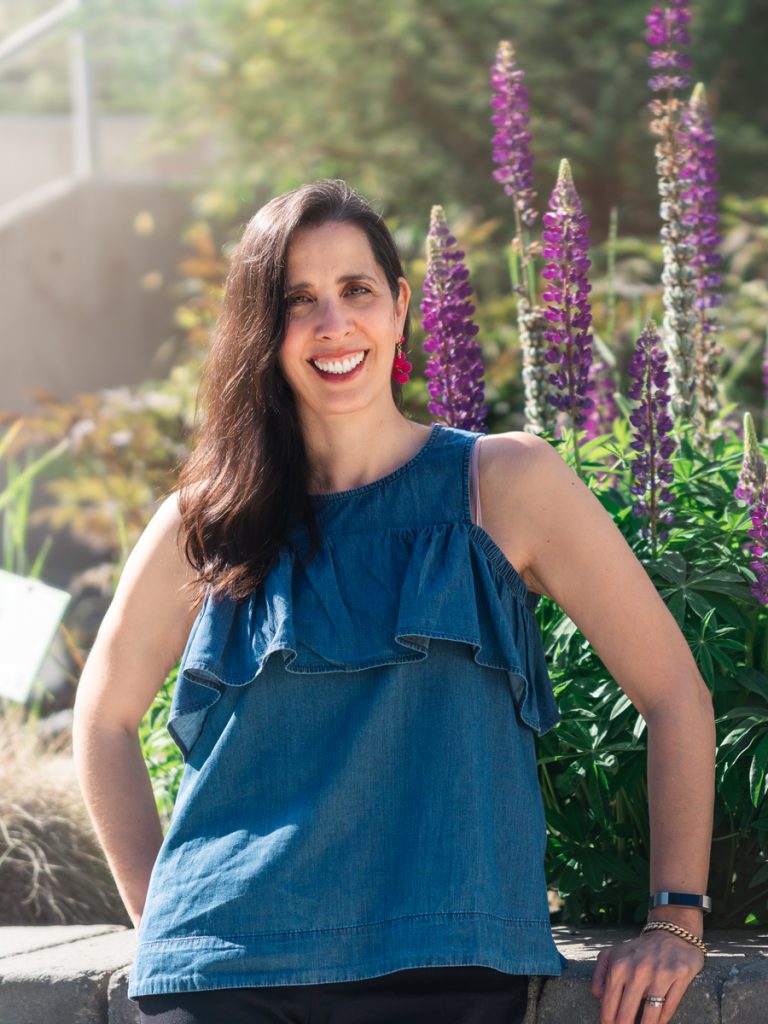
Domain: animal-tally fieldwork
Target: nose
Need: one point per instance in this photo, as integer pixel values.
(332, 319)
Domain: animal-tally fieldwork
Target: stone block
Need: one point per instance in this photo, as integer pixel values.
(26, 938)
(121, 1009)
(569, 998)
(744, 998)
(66, 983)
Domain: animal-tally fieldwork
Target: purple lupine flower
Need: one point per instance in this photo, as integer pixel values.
(751, 488)
(699, 175)
(759, 546)
(455, 368)
(651, 470)
(605, 410)
(566, 242)
(511, 153)
(512, 138)
(665, 30)
(665, 33)
(752, 477)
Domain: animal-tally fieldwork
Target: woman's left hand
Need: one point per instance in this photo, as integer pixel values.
(656, 963)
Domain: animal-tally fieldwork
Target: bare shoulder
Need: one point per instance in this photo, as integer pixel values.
(510, 468)
(156, 572)
(563, 537)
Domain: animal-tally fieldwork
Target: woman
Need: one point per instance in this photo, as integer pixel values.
(359, 833)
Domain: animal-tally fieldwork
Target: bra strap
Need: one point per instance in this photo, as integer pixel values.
(476, 481)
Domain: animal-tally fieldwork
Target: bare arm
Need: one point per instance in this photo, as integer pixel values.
(576, 555)
(140, 639)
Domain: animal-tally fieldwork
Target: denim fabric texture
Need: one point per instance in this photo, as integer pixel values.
(360, 793)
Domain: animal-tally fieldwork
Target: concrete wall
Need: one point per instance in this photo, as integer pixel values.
(86, 300)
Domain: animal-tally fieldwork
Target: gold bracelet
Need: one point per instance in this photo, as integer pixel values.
(669, 926)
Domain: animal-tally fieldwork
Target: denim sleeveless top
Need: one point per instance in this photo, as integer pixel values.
(360, 792)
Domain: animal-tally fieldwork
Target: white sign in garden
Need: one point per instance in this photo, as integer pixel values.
(30, 612)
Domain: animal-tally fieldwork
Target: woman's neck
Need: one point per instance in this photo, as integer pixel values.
(344, 455)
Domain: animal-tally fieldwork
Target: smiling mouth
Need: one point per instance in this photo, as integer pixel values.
(329, 375)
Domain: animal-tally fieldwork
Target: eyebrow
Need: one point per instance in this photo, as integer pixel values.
(339, 280)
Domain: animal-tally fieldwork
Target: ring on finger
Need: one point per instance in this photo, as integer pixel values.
(656, 1000)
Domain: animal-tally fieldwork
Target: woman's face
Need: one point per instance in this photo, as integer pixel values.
(339, 308)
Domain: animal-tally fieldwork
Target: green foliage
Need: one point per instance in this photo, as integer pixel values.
(592, 766)
(15, 501)
(395, 97)
(163, 758)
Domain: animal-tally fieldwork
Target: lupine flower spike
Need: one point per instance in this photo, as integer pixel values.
(511, 154)
(759, 546)
(532, 326)
(700, 195)
(566, 242)
(666, 33)
(604, 411)
(751, 488)
(752, 476)
(651, 469)
(512, 138)
(455, 367)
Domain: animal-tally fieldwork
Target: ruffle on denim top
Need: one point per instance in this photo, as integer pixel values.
(342, 613)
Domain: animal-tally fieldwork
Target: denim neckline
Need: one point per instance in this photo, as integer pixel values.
(374, 484)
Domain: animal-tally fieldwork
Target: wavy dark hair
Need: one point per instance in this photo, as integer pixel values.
(244, 484)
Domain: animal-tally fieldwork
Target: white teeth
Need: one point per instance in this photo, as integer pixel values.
(344, 366)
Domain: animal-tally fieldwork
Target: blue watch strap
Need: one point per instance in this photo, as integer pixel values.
(680, 899)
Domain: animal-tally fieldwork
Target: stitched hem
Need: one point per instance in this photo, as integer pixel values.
(200, 962)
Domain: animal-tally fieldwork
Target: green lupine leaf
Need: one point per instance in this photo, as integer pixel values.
(760, 876)
(592, 871)
(704, 660)
(673, 568)
(676, 604)
(621, 705)
(754, 681)
(756, 781)
(723, 660)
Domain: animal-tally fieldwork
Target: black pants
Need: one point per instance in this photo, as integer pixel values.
(419, 995)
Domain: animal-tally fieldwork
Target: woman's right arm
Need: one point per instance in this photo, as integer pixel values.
(140, 639)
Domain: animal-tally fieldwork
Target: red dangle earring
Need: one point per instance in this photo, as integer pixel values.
(401, 368)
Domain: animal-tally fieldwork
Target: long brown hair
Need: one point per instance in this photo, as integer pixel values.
(244, 485)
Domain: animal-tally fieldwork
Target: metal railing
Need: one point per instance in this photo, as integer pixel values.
(84, 148)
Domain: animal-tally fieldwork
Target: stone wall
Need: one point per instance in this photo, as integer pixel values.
(79, 975)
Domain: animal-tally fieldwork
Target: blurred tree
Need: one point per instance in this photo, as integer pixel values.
(395, 97)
